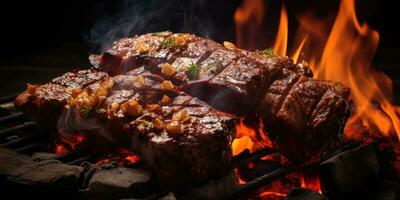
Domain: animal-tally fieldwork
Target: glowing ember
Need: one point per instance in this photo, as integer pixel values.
(69, 142)
(121, 157)
(60, 149)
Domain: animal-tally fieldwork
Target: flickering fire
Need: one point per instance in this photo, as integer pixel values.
(249, 138)
(342, 52)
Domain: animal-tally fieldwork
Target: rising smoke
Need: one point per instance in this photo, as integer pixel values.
(131, 17)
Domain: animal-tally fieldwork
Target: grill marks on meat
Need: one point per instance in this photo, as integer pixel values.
(44, 103)
(302, 115)
(197, 148)
(299, 113)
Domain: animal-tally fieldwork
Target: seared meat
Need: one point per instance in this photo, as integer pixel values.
(300, 114)
(180, 138)
(44, 103)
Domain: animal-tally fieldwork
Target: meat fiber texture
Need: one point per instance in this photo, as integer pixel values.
(44, 103)
(301, 115)
(180, 138)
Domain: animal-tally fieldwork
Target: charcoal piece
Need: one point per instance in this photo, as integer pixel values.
(10, 160)
(214, 189)
(350, 170)
(41, 156)
(118, 183)
(50, 174)
(169, 196)
(304, 194)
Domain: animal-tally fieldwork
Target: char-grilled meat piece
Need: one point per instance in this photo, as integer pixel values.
(300, 114)
(44, 103)
(180, 138)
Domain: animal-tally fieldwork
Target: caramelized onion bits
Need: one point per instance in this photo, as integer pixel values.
(165, 99)
(229, 45)
(31, 89)
(107, 84)
(180, 40)
(101, 92)
(154, 108)
(167, 85)
(76, 91)
(139, 81)
(114, 106)
(168, 70)
(173, 127)
(180, 116)
(93, 100)
(82, 100)
(142, 47)
(158, 124)
(132, 108)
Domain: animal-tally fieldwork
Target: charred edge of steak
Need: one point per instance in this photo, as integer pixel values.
(44, 103)
(295, 109)
(203, 68)
(180, 138)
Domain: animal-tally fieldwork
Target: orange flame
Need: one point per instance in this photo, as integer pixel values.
(342, 51)
(248, 18)
(347, 58)
(280, 46)
(249, 138)
(348, 48)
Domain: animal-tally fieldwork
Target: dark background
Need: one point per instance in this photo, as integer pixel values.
(43, 39)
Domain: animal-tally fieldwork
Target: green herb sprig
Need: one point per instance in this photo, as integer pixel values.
(169, 43)
(266, 52)
(85, 111)
(193, 71)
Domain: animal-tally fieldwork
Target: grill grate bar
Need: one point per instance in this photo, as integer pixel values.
(246, 156)
(29, 148)
(80, 160)
(9, 131)
(8, 98)
(11, 117)
(255, 184)
(17, 142)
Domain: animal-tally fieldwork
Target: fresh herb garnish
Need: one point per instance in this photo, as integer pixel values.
(266, 52)
(193, 71)
(169, 43)
(85, 111)
(145, 125)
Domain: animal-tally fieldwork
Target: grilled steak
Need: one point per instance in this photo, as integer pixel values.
(180, 138)
(300, 114)
(44, 103)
